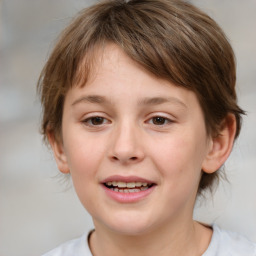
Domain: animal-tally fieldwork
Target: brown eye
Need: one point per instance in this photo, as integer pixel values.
(159, 120)
(95, 120)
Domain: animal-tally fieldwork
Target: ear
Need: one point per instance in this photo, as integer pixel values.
(58, 151)
(220, 145)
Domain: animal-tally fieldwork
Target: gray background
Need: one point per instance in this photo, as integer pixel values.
(37, 211)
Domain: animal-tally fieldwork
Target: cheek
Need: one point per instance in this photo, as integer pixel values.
(178, 163)
(84, 156)
(179, 159)
(82, 151)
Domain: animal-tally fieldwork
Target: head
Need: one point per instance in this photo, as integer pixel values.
(170, 39)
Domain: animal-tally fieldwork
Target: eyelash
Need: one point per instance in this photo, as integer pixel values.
(90, 121)
(160, 118)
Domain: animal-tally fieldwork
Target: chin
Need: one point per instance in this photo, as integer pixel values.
(130, 225)
(131, 230)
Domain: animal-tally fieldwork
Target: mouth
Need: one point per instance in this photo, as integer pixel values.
(128, 187)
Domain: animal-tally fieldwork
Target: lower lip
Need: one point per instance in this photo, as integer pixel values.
(128, 197)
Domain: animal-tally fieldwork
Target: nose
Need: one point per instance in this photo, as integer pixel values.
(126, 145)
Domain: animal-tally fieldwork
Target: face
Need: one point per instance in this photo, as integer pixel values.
(134, 145)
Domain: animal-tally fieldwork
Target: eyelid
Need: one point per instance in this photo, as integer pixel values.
(85, 120)
(169, 119)
(90, 118)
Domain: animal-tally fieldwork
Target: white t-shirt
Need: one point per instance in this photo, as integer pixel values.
(223, 243)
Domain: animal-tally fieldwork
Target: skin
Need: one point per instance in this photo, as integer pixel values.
(129, 139)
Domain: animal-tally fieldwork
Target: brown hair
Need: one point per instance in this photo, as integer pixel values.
(171, 39)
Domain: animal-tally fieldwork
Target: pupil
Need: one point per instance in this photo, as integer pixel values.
(97, 120)
(158, 120)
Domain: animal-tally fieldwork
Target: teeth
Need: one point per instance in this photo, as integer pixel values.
(127, 187)
(121, 184)
(138, 184)
(128, 190)
(130, 185)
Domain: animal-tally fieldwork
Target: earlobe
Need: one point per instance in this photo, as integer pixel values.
(220, 145)
(59, 154)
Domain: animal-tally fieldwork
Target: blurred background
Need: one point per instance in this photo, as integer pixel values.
(37, 210)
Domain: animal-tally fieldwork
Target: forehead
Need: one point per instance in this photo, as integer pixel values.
(114, 74)
(104, 59)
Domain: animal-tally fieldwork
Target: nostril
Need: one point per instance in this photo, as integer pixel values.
(134, 158)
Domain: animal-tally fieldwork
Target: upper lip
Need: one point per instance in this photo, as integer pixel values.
(127, 179)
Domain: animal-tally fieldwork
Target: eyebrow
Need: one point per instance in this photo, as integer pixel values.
(145, 101)
(162, 100)
(91, 99)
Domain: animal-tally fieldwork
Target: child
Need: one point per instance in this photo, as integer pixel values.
(139, 106)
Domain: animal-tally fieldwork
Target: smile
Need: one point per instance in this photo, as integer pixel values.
(128, 187)
(131, 189)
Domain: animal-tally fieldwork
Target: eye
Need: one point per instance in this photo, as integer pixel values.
(159, 120)
(95, 121)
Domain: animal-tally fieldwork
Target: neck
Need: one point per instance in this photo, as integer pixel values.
(187, 239)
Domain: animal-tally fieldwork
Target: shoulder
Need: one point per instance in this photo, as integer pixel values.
(78, 247)
(229, 244)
